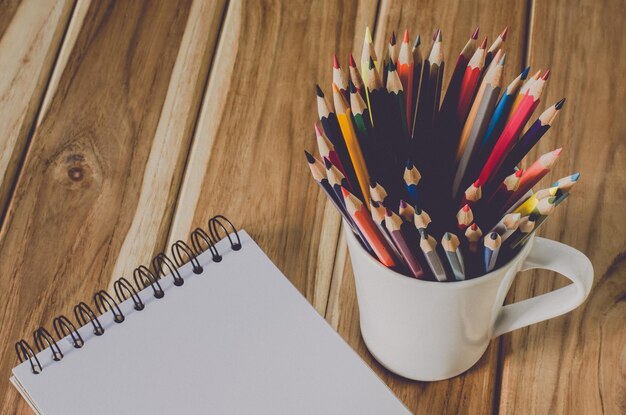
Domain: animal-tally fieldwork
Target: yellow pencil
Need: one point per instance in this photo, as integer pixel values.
(344, 117)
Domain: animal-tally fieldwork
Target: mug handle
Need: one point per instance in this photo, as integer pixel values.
(557, 257)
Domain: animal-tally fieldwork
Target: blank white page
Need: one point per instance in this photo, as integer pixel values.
(236, 339)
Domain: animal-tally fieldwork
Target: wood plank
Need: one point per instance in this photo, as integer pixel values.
(104, 166)
(472, 392)
(257, 118)
(31, 32)
(574, 364)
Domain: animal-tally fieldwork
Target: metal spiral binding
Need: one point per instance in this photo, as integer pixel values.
(162, 266)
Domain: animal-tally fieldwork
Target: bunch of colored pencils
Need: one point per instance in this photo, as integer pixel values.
(427, 182)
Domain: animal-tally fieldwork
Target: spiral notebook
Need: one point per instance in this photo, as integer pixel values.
(216, 328)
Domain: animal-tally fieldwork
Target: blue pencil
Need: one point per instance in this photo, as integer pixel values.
(492, 248)
(412, 179)
(501, 113)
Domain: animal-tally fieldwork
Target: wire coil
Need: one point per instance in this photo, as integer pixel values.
(143, 277)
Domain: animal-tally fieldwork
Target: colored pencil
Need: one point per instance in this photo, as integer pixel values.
(451, 246)
(512, 129)
(472, 194)
(430, 90)
(340, 78)
(500, 115)
(495, 47)
(507, 225)
(469, 83)
(526, 226)
(394, 224)
(327, 150)
(344, 117)
(531, 136)
(335, 179)
(533, 174)
(330, 124)
(368, 54)
(412, 179)
(363, 129)
(477, 122)
(464, 217)
(473, 235)
(492, 248)
(390, 54)
(451, 98)
(497, 202)
(396, 107)
(361, 217)
(421, 220)
(355, 77)
(377, 192)
(376, 95)
(564, 184)
(378, 215)
(418, 65)
(406, 74)
(318, 172)
(406, 212)
(522, 92)
(428, 245)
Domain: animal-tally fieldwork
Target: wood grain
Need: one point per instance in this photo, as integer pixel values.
(30, 35)
(472, 392)
(247, 158)
(576, 364)
(116, 133)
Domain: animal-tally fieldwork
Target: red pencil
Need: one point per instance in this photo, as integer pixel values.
(362, 218)
(512, 130)
(464, 217)
(533, 174)
(470, 82)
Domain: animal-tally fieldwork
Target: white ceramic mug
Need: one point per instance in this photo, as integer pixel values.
(426, 330)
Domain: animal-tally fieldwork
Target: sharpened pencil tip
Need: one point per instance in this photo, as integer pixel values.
(318, 91)
(335, 62)
(546, 75)
(403, 204)
(493, 235)
(525, 73)
(503, 60)
(475, 34)
(519, 173)
(352, 62)
(373, 183)
(559, 104)
(318, 129)
(417, 42)
(574, 177)
(439, 36)
(477, 183)
(351, 87)
(406, 36)
(344, 192)
(436, 35)
(466, 208)
(388, 212)
(392, 40)
(484, 44)
(504, 33)
(409, 164)
(447, 236)
(327, 163)
(309, 157)
(368, 34)
(335, 89)
(371, 66)
(473, 226)
(558, 151)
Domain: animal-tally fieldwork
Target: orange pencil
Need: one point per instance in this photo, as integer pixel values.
(363, 220)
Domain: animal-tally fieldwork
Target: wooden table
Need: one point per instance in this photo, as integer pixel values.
(126, 124)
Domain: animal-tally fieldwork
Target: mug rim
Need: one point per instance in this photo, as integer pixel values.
(444, 284)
